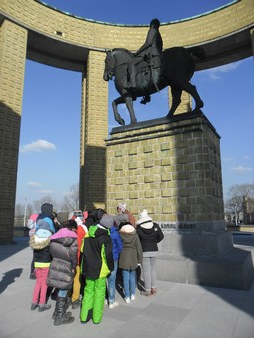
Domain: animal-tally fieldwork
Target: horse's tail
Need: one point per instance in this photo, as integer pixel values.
(198, 52)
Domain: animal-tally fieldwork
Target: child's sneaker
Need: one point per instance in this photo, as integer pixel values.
(113, 305)
(133, 297)
(146, 293)
(153, 291)
(76, 304)
(127, 300)
(34, 306)
(43, 307)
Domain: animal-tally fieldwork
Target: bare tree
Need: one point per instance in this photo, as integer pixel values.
(19, 210)
(19, 215)
(46, 199)
(71, 201)
(29, 210)
(250, 210)
(240, 198)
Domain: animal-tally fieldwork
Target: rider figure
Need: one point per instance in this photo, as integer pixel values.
(150, 52)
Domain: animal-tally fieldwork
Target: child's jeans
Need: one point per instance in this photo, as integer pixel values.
(112, 284)
(129, 282)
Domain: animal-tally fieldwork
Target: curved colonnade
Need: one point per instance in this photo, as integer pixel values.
(32, 30)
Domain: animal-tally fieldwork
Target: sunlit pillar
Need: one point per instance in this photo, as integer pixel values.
(13, 41)
(94, 132)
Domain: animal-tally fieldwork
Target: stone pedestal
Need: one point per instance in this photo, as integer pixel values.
(172, 167)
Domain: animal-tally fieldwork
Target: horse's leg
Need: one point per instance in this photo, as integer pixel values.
(191, 89)
(129, 104)
(176, 100)
(117, 116)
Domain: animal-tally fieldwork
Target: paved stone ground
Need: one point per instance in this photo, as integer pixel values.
(177, 311)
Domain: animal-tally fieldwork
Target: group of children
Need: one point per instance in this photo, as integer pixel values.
(84, 256)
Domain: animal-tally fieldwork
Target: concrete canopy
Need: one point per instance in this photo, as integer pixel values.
(223, 39)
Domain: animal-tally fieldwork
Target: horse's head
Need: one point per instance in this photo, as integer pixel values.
(109, 70)
(115, 60)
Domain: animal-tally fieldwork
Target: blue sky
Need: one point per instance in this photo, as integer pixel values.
(50, 128)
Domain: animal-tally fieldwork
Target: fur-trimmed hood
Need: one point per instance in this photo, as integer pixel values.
(37, 243)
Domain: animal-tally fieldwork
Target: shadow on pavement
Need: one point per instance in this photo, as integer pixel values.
(9, 278)
(18, 244)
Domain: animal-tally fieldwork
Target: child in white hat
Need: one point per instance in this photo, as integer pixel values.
(122, 209)
(149, 234)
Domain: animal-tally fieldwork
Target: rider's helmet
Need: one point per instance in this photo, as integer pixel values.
(155, 23)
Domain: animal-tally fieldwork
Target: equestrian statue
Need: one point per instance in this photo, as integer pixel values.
(149, 70)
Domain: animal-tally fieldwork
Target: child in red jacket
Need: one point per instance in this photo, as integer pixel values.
(81, 232)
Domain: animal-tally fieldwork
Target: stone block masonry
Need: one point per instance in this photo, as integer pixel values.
(13, 39)
(173, 169)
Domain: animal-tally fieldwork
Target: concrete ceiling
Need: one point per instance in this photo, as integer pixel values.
(60, 54)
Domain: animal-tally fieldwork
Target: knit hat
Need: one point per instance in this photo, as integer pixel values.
(122, 206)
(98, 213)
(47, 209)
(107, 221)
(62, 217)
(144, 220)
(120, 218)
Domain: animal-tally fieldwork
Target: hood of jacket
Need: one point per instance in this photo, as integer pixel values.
(97, 230)
(146, 225)
(64, 236)
(127, 232)
(65, 241)
(146, 231)
(37, 243)
(128, 228)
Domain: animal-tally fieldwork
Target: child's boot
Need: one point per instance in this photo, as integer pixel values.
(61, 317)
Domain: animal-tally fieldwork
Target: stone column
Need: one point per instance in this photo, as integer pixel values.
(94, 126)
(13, 41)
(82, 143)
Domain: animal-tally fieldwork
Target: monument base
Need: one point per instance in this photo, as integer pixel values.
(172, 168)
(205, 258)
(233, 270)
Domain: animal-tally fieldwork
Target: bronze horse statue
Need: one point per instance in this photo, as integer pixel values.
(178, 67)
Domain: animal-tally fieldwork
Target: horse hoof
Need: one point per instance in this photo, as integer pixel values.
(122, 122)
